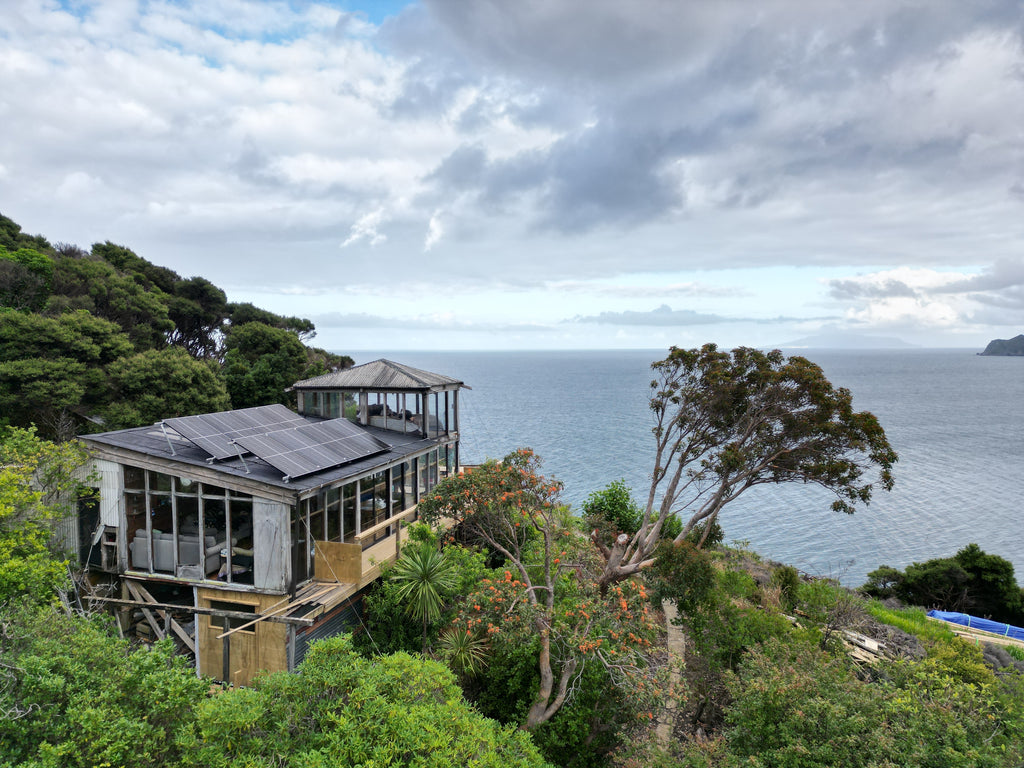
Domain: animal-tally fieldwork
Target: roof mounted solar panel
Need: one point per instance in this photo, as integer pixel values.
(313, 447)
(215, 432)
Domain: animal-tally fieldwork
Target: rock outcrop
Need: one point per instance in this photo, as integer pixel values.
(1006, 347)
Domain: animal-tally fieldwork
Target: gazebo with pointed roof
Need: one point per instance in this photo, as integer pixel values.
(385, 394)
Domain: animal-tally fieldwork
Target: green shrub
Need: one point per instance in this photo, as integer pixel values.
(612, 510)
(787, 580)
(76, 695)
(913, 621)
(800, 707)
(343, 709)
(715, 536)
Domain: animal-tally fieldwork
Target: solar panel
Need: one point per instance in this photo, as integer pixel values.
(313, 447)
(214, 432)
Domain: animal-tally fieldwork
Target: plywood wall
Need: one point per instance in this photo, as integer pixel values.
(265, 649)
(336, 562)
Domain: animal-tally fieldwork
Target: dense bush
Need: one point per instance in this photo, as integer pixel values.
(343, 709)
(971, 581)
(73, 694)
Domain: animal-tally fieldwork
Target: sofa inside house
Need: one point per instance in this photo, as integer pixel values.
(163, 551)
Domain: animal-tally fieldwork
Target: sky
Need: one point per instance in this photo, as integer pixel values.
(540, 174)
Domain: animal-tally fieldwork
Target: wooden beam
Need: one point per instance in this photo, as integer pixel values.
(167, 617)
(297, 620)
(276, 608)
(394, 520)
(145, 612)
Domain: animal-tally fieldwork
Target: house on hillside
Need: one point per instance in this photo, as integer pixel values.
(248, 534)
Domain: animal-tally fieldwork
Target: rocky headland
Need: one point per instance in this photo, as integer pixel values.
(1006, 347)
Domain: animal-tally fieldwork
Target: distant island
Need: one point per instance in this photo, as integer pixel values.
(1006, 347)
(847, 341)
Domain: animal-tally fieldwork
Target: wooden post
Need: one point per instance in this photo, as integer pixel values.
(149, 522)
(359, 508)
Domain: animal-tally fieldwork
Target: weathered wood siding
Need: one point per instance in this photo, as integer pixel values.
(261, 648)
(271, 544)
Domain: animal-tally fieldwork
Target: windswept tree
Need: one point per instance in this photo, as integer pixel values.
(547, 598)
(726, 422)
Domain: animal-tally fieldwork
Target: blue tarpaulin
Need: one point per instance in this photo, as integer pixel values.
(965, 620)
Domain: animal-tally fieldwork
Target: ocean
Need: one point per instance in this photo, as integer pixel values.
(955, 418)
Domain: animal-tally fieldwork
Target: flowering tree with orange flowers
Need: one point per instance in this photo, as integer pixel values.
(548, 592)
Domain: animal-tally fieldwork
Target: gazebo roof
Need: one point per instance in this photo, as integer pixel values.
(380, 376)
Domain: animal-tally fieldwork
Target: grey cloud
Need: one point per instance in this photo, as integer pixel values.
(642, 291)
(359, 320)
(659, 83)
(1001, 275)
(1010, 298)
(665, 316)
(662, 316)
(856, 289)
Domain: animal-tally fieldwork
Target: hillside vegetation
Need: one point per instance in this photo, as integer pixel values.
(103, 339)
(512, 633)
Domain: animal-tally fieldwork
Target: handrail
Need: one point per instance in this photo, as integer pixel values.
(368, 532)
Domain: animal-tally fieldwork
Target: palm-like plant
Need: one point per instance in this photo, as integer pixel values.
(423, 575)
(464, 650)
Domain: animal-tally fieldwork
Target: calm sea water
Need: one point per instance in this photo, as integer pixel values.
(954, 418)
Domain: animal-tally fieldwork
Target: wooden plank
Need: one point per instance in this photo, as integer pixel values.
(169, 620)
(279, 607)
(337, 562)
(145, 612)
(276, 608)
(297, 620)
(974, 633)
(393, 520)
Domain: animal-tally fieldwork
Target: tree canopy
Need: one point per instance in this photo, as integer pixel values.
(69, 314)
(546, 597)
(972, 581)
(726, 422)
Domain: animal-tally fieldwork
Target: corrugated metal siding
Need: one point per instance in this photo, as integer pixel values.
(347, 617)
(379, 375)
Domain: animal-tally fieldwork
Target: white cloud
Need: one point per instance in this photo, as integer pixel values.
(593, 157)
(366, 229)
(78, 184)
(435, 231)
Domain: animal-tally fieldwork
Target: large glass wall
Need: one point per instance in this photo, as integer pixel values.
(179, 526)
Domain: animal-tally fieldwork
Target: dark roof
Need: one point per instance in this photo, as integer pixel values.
(154, 441)
(380, 376)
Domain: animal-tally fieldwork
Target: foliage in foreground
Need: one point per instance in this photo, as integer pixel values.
(548, 597)
(343, 709)
(37, 484)
(73, 694)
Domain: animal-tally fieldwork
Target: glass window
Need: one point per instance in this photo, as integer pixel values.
(348, 512)
(317, 524)
(185, 485)
(135, 504)
(214, 490)
(134, 478)
(421, 463)
(215, 516)
(332, 508)
(333, 405)
(159, 482)
(432, 479)
(398, 487)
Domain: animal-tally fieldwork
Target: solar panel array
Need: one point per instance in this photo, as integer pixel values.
(313, 447)
(214, 432)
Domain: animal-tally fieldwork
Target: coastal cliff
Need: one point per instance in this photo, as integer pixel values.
(1006, 347)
